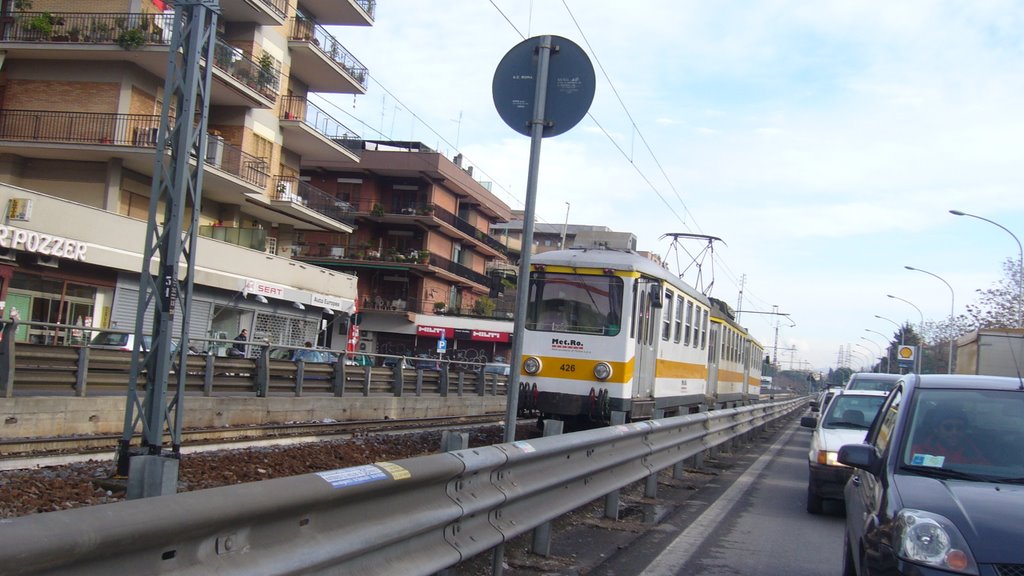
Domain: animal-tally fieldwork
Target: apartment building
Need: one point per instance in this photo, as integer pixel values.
(422, 249)
(81, 91)
(546, 237)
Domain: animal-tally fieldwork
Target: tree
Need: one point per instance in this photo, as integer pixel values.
(998, 306)
(839, 376)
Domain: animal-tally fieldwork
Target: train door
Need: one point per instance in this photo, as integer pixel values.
(647, 297)
(714, 356)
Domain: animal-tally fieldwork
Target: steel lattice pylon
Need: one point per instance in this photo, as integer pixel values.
(177, 185)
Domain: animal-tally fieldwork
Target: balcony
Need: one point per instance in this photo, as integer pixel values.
(142, 39)
(319, 60)
(96, 137)
(431, 216)
(315, 207)
(363, 256)
(249, 80)
(341, 12)
(262, 12)
(470, 231)
(312, 133)
(252, 238)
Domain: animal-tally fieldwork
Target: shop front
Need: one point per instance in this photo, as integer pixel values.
(47, 279)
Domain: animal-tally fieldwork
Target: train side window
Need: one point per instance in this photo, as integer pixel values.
(689, 321)
(666, 318)
(704, 331)
(679, 318)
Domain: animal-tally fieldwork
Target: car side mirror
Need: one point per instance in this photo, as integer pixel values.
(808, 422)
(860, 456)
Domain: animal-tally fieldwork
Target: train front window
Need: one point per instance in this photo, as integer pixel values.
(575, 303)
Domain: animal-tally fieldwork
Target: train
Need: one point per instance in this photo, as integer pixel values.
(608, 330)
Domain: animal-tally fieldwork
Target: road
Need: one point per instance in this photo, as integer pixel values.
(752, 522)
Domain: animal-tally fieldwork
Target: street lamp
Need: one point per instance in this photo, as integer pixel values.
(1020, 264)
(561, 245)
(882, 353)
(860, 355)
(870, 351)
(920, 329)
(898, 327)
(952, 309)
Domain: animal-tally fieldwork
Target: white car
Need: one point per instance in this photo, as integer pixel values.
(845, 420)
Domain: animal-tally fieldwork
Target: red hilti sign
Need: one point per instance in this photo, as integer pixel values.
(452, 333)
(435, 331)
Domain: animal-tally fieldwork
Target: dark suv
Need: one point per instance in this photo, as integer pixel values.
(939, 480)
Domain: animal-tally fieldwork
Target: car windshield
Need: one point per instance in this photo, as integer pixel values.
(872, 384)
(852, 411)
(966, 434)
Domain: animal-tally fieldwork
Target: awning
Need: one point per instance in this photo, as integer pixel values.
(331, 302)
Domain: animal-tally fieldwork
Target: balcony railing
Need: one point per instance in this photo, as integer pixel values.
(469, 230)
(254, 238)
(279, 7)
(459, 270)
(298, 108)
(126, 30)
(130, 31)
(131, 130)
(294, 190)
(396, 303)
(375, 207)
(368, 6)
(391, 257)
(309, 31)
(263, 77)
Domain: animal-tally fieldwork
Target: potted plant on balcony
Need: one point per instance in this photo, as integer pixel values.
(40, 26)
(424, 256)
(427, 209)
(439, 307)
(266, 76)
(377, 210)
(484, 306)
(131, 38)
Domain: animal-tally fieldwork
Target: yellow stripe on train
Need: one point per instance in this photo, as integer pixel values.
(674, 369)
(622, 372)
(578, 369)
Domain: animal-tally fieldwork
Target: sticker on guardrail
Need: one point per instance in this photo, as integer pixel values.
(524, 446)
(362, 474)
(396, 471)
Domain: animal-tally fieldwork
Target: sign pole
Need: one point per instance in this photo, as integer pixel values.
(536, 136)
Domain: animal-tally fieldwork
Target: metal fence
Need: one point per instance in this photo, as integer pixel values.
(66, 363)
(414, 516)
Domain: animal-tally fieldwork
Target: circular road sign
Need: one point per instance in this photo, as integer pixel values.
(570, 86)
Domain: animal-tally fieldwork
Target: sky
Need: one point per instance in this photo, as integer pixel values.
(824, 142)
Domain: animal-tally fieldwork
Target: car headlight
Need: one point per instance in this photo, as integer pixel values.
(931, 539)
(531, 365)
(602, 371)
(828, 458)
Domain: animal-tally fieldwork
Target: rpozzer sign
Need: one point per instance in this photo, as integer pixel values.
(40, 243)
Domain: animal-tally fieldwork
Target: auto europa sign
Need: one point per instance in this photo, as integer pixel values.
(463, 334)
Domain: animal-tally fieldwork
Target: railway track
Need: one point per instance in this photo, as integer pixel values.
(18, 453)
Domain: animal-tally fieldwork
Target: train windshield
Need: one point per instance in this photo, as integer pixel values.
(575, 303)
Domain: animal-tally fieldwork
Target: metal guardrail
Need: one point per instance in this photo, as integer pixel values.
(412, 516)
(64, 363)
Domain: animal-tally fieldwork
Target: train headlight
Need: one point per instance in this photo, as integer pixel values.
(531, 365)
(602, 371)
